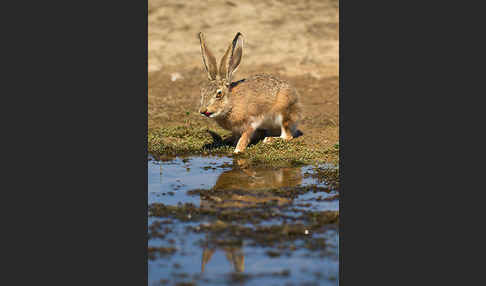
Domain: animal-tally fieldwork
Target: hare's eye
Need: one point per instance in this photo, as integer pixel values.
(219, 94)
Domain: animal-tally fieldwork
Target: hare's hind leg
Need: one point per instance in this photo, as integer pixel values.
(286, 130)
(286, 126)
(286, 109)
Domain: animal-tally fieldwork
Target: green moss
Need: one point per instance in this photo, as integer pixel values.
(189, 139)
(282, 152)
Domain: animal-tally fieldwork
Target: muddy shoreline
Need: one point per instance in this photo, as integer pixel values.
(268, 216)
(253, 214)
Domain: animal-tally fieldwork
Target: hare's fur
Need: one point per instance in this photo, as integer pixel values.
(260, 101)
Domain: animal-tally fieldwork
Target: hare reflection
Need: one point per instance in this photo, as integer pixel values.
(246, 186)
(245, 177)
(234, 255)
(252, 185)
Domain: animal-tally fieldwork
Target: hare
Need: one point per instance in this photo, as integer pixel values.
(261, 101)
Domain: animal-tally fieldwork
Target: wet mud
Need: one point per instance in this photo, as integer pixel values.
(248, 224)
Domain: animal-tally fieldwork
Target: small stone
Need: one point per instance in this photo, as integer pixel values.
(175, 76)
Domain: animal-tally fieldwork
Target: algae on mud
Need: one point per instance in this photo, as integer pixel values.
(193, 139)
(231, 227)
(180, 140)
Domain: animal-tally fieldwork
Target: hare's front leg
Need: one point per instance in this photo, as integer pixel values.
(244, 140)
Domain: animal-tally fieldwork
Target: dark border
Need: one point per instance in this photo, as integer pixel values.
(82, 155)
(341, 147)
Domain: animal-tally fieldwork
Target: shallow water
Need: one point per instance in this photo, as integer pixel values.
(198, 259)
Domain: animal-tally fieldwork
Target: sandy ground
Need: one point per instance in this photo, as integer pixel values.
(296, 40)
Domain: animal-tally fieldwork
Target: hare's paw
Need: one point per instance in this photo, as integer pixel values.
(286, 137)
(269, 139)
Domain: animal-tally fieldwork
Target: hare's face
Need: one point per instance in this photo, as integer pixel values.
(215, 100)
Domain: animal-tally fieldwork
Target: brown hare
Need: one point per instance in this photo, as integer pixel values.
(261, 101)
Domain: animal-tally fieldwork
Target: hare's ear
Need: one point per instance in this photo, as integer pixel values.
(232, 58)
(208, 59)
